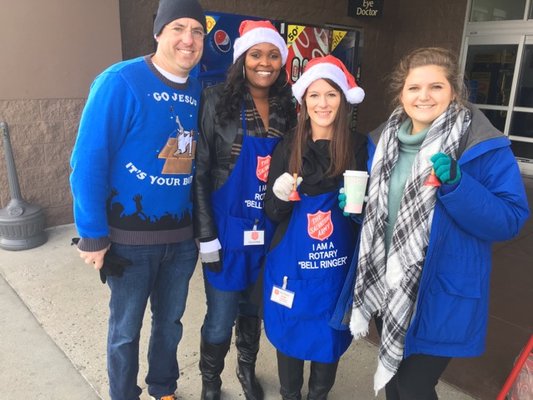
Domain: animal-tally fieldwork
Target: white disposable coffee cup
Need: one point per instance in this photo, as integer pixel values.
(355, 188)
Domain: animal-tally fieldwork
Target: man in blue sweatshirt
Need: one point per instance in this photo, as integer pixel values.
(132, 169)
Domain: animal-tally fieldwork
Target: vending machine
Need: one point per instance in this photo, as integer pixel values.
(305, 43)
(309, 41)
(346, 46)
(222, 30)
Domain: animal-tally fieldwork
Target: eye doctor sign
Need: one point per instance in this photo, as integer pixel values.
(365, 8)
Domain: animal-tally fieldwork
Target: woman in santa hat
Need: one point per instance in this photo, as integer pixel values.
(241, 121)
(314, 242)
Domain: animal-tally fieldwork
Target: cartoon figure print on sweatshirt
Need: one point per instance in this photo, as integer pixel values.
(310, 256)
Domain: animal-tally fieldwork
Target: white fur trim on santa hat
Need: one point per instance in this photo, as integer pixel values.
(260, 35)
(354, 95)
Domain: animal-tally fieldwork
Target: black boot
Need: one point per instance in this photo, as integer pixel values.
(321, 380)
(211, 366)
(291, 377)
(247, 334)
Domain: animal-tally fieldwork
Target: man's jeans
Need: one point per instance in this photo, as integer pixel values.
(222, 310)
(161, 273)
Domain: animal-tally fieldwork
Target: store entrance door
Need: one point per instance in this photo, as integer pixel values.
(499, 75)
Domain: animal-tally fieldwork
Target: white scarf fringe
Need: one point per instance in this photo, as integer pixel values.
(381, 377)
(358, 324)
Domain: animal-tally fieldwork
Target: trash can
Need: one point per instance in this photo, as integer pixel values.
(21, 224)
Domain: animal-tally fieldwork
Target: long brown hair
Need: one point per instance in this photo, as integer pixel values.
(341, 148)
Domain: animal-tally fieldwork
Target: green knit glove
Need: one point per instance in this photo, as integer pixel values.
(446, 168)
(342, 201)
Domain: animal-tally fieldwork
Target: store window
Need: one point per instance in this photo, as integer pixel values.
(522, 118)
(497, 10)
(497, 61)
(489, 71)
(524, 97)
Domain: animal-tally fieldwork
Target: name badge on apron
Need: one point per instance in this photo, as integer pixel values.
(254, 237)
(281, 295)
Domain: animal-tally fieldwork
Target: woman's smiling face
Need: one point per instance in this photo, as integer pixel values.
(322, 101)
(262, 65)
(426, 94)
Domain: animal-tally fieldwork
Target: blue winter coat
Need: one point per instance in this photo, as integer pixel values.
(489, 204)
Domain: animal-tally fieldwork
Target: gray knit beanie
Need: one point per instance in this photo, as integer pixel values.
(169, 10)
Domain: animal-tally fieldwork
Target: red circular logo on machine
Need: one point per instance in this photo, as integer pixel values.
(222, 41)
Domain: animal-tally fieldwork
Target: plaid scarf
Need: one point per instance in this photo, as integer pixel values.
(387, 285)
(277, 124)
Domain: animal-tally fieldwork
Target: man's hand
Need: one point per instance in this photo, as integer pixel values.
(96, 258)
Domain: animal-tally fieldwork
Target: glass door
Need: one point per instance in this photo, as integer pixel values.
(497, 60)
(498, 72)
(521, 124)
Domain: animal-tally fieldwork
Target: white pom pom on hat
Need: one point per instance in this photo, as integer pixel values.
(328, 67)
(255, 32)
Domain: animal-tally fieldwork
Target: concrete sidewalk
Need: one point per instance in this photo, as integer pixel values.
(32, 364)
(53, 324)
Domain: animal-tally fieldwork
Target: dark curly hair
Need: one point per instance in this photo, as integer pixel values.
(229, 104)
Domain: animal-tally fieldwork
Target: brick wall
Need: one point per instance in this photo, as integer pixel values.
(42, 134)
(43, 84)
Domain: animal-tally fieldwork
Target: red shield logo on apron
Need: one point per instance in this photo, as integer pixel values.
(319, 225)
(263, 166)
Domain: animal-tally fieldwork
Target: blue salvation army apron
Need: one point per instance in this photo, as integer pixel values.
(304, 275)
(244, 231)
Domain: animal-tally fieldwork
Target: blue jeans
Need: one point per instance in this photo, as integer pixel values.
(161, 273)
(222, 310)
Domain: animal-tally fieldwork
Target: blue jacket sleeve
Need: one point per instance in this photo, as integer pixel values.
(104, 124)
(490, 200)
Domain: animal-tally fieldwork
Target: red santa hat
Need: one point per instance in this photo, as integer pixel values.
(255, 32)
(328, 67)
